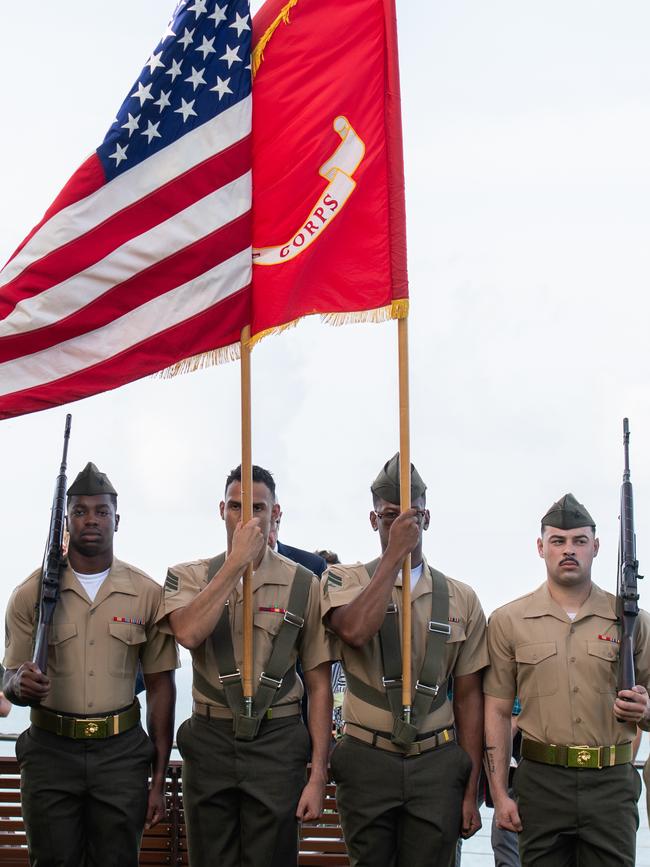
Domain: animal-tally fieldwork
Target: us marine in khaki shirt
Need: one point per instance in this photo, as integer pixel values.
(244, 777)
(406, 793)
(85, 761)
(557, 650)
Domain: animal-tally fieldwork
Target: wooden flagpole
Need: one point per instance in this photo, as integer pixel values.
(247, 514)
(405, 503)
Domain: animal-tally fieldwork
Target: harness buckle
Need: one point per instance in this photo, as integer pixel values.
(267, 680)
(391, 608)
(293, 619)
(426, 689)
(229, 678)
(391, 682)
(442, 628)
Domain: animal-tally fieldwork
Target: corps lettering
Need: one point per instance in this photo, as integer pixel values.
(312, 226)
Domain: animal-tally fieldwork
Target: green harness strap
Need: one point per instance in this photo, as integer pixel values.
(278, 678)
(428, 692)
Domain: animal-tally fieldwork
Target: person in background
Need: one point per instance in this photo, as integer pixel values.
(310, 561)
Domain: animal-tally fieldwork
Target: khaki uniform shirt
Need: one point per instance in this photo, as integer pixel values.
(564, 672)
(94, 647)
(465, 652)
(271, 588)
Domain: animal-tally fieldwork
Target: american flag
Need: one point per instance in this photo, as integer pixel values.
(144, 258)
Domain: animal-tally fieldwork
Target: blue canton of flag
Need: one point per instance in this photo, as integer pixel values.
(200, 67)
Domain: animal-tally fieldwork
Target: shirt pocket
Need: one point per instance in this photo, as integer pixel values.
(453, 647)
(61, 653)
(536, 669)
(603, 665)
(267, 625)
(124, 648)
(269, 621)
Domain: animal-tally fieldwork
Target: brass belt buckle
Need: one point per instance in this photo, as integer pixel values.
(90, 727)
(584, 757)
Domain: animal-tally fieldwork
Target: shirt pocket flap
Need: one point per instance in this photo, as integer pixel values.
(269, 621)
(129, 633)
(607, 650)
(535, 653)
(61, 632)
(457, 633)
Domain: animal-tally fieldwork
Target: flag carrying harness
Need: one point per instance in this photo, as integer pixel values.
(278, 678)
(430, 694)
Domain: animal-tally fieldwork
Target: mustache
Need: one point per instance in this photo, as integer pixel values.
(569, 560)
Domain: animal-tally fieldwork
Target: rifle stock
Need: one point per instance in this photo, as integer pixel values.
(53, 560)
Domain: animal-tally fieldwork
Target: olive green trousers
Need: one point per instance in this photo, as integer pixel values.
(396, 811)
(240, 797)
(84, 801)
(577, 818)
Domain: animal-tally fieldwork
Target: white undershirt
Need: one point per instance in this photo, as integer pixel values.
(92, 583)
(571, 615)
(416, 571)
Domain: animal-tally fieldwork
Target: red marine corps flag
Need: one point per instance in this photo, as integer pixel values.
(328, 182)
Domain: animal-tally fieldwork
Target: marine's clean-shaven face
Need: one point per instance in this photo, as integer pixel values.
(92, 522)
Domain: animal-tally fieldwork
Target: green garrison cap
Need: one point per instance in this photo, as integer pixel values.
(90, 482)
(386, 485)
(567, 514)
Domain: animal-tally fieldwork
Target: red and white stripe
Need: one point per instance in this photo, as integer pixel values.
(122, 279)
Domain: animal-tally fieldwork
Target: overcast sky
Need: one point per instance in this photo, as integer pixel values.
(527, 135)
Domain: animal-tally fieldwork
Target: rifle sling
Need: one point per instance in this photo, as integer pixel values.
(428, 693)
(279, 676)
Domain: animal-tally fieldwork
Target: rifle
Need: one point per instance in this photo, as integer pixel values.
(628, 574)
(53, 560)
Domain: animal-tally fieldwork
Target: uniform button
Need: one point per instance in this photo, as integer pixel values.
(92, 641)
(572, 659)
(572, 630)
(92, 673)
(90, 704)
(578, 719)
(576, 689)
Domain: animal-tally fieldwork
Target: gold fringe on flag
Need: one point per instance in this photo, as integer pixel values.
(396, 310)
(198, 362)
(257, 55)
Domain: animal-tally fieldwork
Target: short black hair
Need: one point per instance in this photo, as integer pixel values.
(259, 475)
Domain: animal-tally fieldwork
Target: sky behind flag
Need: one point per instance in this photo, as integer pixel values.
(526, 141)
(143, 259)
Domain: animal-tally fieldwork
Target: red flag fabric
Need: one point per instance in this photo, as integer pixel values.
(329, 231)
(144, 258)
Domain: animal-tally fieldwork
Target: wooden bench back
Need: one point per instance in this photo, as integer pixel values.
(321, 841)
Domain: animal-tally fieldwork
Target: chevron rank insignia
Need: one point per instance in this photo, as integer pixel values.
(334, 580)
(171, 583)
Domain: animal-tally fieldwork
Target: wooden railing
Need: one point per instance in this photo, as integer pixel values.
(321, 841)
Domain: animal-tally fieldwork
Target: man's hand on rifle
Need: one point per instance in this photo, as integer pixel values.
(632, 705)
(28, 684)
